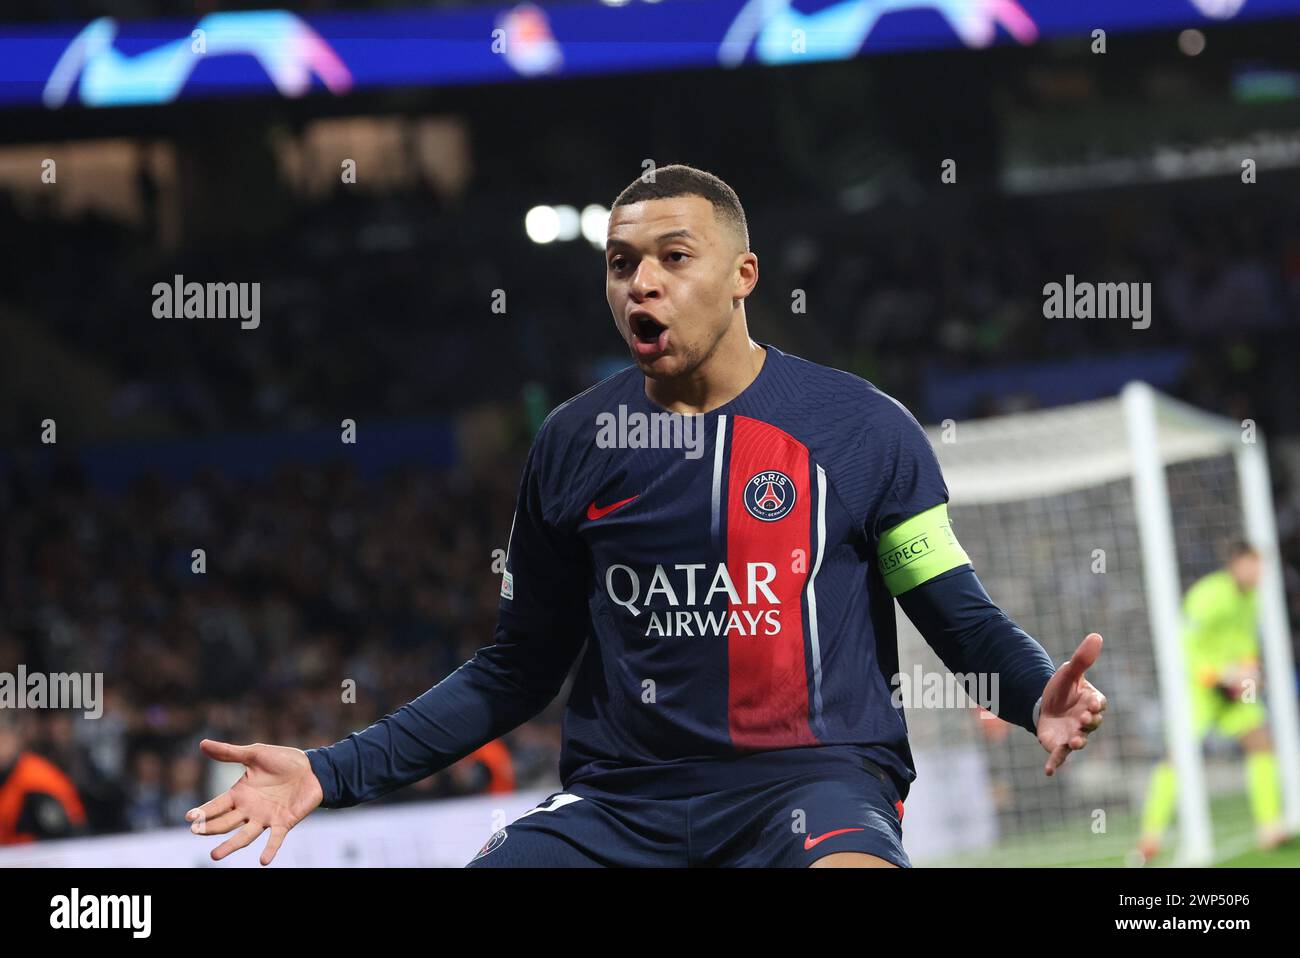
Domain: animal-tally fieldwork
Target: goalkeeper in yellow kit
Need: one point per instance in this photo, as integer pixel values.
(1222, 657)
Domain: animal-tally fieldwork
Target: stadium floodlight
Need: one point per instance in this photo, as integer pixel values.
(1098, 517)
(542, 224)
(1191, 42)
(595, 223)
(567, 223)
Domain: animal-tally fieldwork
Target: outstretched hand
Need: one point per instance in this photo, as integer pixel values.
(277, 791)
(1071, 707)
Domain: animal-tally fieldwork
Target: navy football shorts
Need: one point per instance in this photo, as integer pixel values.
(780, 809)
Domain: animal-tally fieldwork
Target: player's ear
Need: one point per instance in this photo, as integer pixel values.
(745, 276)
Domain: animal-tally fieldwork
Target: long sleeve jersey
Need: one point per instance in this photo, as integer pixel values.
(729, 580)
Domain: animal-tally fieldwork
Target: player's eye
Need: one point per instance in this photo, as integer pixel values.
(617, 263)
(682, 253)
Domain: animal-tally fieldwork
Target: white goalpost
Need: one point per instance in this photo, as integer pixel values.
(1098, 517)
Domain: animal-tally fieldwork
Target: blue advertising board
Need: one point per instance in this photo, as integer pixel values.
(108, 62)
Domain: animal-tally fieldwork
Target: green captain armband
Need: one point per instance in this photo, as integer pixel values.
(918, 549)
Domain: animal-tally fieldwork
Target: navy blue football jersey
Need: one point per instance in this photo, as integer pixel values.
(721, 568)
(729, 581)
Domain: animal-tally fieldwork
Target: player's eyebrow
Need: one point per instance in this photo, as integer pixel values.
(682, 233)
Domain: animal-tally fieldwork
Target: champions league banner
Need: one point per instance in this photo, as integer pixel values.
(108, 62)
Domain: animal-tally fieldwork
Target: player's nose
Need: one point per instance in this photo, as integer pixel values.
(644, 283)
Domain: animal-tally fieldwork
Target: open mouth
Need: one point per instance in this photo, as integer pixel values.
(649, 336)
(647, 330)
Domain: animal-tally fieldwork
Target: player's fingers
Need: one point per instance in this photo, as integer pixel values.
(1057, 759)
(273, 843)
(224, 751)
(212, 808)
(219, 825)
(1091, 692)
(1091, 724)
(237, 841)
(1084, 656)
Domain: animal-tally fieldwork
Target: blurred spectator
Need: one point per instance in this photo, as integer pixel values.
(145, 808)
(37, 801)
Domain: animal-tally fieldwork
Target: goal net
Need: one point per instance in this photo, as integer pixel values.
(1097, 517)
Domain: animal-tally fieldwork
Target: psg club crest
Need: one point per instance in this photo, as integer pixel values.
(769, 496)
(492, 844)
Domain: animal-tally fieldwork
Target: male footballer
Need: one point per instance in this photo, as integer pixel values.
(733, 603)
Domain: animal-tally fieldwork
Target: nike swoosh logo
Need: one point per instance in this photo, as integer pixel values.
(595, 512)
(811, 842)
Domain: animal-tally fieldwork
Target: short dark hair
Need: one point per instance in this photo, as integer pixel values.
(681, 180)
(1239, 548)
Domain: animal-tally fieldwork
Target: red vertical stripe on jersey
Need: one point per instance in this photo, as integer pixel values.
(767, 695)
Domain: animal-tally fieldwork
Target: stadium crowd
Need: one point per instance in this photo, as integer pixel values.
(324, 604)
(902, 296)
